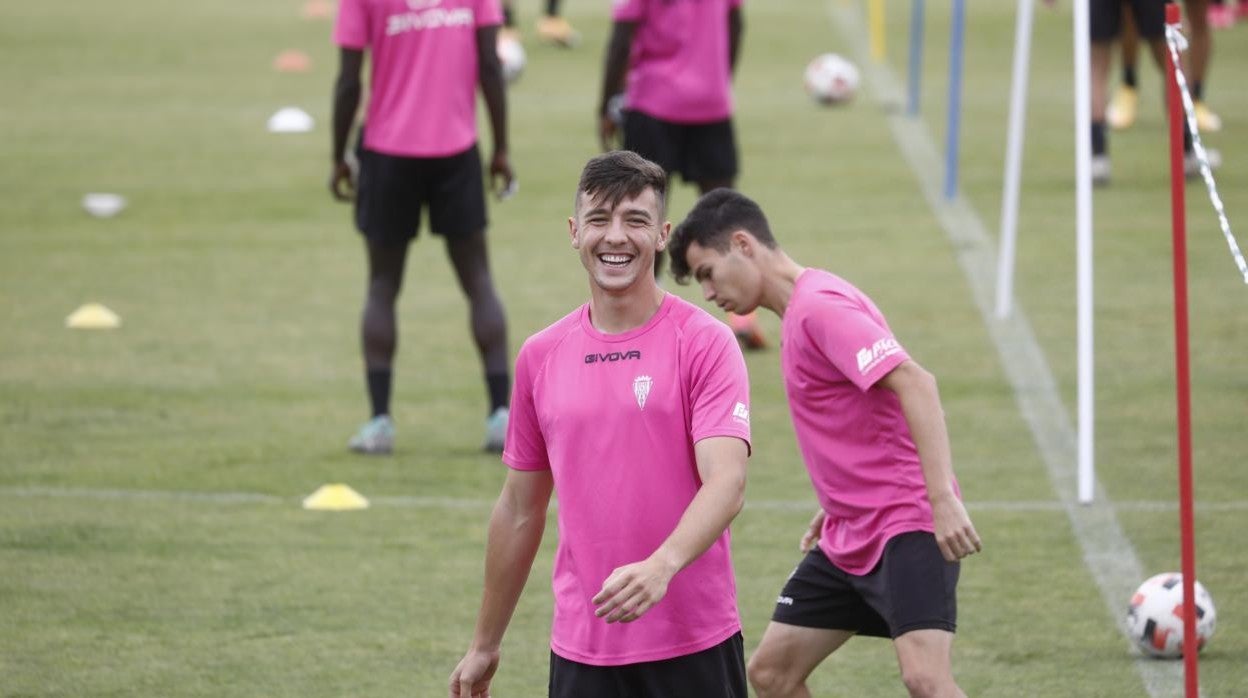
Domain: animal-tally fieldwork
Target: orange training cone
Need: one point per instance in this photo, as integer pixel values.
(292, 61)
(318, 9)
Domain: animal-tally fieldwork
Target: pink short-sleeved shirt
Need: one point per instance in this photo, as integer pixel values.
(615, 417)
(679, 67)
(853, 434)
(422, 97)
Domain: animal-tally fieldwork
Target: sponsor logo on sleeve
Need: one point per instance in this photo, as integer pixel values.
(870, 357)
(741, 413)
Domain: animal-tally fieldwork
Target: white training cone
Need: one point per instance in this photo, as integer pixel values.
(103, 205)
(290, 120)
(336, 497)
(93, 316)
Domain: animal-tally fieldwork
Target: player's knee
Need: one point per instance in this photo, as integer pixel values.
(768, 677)
(924, 682)
(384, 289)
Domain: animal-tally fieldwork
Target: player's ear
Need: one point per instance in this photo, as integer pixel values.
(742, 242)
(665, 234)
(574, 233)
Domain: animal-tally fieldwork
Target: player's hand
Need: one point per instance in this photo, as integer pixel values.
(955, 534)
(342, 182)
(632, 590)
(471, 678)
(813, 531)
(502, 178)
(608, 131)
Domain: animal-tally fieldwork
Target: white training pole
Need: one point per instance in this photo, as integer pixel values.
(1014, 158)
(1083, 245)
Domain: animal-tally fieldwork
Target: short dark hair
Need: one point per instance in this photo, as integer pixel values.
(620, 174)
(714, 217)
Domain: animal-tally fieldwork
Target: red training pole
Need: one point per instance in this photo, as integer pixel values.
(1183, 378)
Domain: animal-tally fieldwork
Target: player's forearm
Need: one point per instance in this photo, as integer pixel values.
(920, 402)
(346, 103)
(736, 29)
(493, 86)
(346, 99)
(615, 64)
(712, 509)
(514, 538)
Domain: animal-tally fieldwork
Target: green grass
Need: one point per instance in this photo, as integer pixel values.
(237, 368)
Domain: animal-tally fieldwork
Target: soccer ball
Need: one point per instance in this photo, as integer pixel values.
(831, 79)
(1155, 616)
(511, 55)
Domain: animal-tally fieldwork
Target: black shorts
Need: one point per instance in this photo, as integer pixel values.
(716, 672)
(699, 152)
(912, 588)
(1106, 19)
(391, 191)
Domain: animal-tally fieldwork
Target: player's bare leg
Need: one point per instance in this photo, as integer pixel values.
(1101, 56)
(1123, 107)
(470, 260)
(786, 656)
(378, 339)
(1197, 13)
(926, 660)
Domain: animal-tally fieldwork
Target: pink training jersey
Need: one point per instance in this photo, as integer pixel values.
(422, 98)
(679, 68)
(615, 417)
(852, 434)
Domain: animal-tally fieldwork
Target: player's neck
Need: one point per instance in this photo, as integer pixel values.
(618, 312)
(780, 280)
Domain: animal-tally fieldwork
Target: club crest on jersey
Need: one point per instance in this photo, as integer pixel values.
(641, 389)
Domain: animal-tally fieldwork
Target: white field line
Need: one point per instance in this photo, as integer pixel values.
(1107, 552)
(481, 503)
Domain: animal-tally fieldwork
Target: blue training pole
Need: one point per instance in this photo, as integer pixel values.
(955, 98)
(916, 57)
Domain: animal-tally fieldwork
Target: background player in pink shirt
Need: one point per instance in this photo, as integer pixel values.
(673, 60)
(635, 409)
(868, 419)
(419, 150)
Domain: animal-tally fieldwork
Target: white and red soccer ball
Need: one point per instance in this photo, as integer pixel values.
(1155, 616)
(831, 79)
(511, 55)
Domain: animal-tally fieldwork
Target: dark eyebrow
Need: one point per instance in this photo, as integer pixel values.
(701, 273)
(637, 210)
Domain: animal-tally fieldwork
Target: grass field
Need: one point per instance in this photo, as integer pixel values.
(151, 540)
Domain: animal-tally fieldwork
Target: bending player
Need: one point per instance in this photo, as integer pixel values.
(885, 545)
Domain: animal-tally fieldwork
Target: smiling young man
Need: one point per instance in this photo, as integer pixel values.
(891, 526)
(634, 408)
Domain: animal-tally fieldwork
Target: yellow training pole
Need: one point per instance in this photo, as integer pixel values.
(875, 13)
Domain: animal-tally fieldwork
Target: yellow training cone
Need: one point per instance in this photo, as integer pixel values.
(336, 497)
(93, 316)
